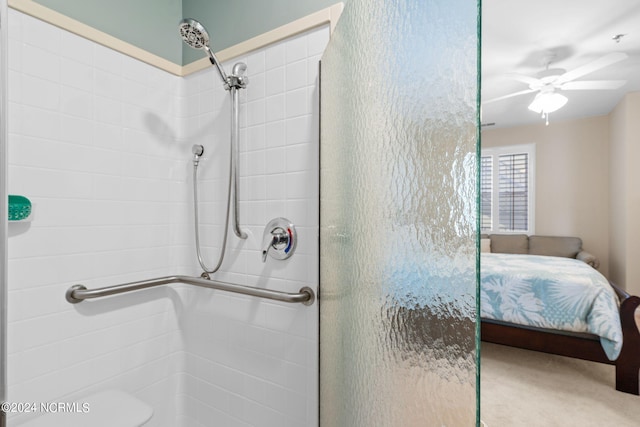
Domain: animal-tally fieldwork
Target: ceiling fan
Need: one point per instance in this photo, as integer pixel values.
(549, 82)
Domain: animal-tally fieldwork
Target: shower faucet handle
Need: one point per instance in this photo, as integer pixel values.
(279, 239)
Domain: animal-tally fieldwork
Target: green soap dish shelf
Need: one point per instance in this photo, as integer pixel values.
(19, 208)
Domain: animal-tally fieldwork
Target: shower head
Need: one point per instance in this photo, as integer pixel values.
(196, 36)
(193, 33)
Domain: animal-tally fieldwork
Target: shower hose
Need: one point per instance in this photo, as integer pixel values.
(196, 220)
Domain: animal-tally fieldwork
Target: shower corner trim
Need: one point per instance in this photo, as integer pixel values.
(83, 30)
(328, 15)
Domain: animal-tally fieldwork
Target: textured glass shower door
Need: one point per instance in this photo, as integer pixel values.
(398, 280)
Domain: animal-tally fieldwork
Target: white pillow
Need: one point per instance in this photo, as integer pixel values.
(485, 245)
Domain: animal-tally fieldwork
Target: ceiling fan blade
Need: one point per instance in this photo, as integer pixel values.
(602, 62)
(531, 81)
(594, 85)
(522, 92)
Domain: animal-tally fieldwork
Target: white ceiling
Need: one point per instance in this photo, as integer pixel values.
(518, 35)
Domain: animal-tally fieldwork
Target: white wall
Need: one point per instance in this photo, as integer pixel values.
(572, 178)
(618, 187)
(625, 194)
(101, 144)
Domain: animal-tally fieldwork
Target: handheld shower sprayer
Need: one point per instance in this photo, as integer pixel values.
(195, 35)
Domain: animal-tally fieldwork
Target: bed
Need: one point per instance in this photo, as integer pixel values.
(561, 306)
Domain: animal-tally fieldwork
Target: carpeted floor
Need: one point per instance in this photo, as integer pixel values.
(531, 389)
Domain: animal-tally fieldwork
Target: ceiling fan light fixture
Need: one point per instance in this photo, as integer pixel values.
(548, 102)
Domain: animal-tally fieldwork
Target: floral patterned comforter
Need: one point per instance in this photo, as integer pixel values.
(553, 293)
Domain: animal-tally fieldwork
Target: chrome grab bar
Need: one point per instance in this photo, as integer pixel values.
(79, 293)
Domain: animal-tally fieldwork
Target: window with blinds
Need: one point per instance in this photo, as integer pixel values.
(513, 194)
(506, 181)
(486, 193)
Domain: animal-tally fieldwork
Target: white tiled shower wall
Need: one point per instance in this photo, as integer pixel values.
(101, 144)
(254, 362)
(91, 144)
